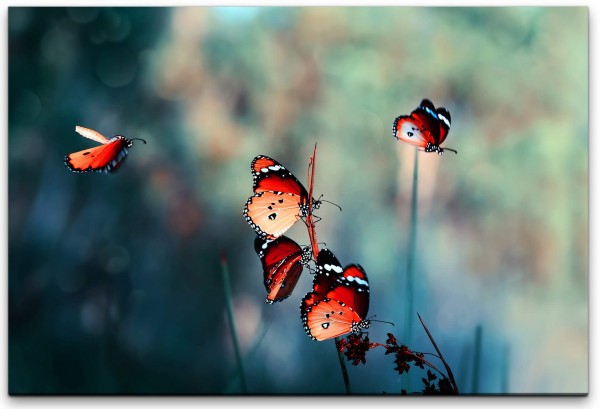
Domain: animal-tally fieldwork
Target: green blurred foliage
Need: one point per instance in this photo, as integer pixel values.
(114, 281)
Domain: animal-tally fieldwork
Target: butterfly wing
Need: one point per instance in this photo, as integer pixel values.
(105, 158)
(330, 318)
(271, 214)
(410, 129)
(270, 176)
(339, 301)
(91, 134)
(444, 117)
(282, 261)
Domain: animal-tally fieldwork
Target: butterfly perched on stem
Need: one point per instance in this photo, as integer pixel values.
(279, 199)
(282, 261)
(339, 301)
(426, 127)
(106, 158)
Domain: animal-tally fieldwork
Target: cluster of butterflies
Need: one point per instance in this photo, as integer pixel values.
(339, 300)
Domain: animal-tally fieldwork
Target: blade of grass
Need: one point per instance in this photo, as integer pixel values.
(231, 316)
(259, 336)
(450, 374)
(464, 367)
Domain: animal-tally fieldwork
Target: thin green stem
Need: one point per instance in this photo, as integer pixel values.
(231, 316)
(410, 260)
(410, 263)
(505, 369)
(476, 360)
(343, 366)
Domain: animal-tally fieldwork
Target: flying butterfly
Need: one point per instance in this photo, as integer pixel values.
(279, 199)
(339, 301)
(282, 261)
(105, 158)
(426, 127)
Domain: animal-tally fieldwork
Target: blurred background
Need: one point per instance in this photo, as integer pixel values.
(115, 282)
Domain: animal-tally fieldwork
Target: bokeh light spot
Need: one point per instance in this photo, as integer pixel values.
(116, 66)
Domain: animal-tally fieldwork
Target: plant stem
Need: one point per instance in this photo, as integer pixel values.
(312, 234)
(410, 261)
(343, 366)
(231, 316)
(310, 222)
(505, 369)
(476, 360)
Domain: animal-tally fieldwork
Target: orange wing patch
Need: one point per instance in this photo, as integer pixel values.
(271, 214)
(330, 318)
(410, 130)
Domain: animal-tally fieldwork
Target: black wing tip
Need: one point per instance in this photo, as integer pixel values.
(70, 166)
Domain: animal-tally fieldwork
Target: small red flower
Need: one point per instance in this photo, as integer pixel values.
(356, 348)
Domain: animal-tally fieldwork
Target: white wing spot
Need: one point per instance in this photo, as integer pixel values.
(358, 280)
(335, 268)
(444, 119)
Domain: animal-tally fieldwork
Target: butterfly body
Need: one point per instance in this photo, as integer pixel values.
(279, 199)
(282, 261)
(426, 127)
(339, 301)
(106, 158)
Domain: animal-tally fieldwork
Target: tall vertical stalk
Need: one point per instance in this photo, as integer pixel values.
(410, 261)
(343, 366)
(476, 360)
(505, 369)
(231, 316)
(312, 233)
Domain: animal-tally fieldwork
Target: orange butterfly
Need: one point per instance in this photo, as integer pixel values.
(106, 158)
(426, 127)
(339, 301)
(279, 200)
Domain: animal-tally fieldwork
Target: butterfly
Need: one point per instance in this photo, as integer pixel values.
(282, 261)
(106, 158)
(279, 199)
(426, 127)
(339, 301)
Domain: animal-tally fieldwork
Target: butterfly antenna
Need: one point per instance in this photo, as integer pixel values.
(327, 201)
(386, 322)
(451, 150)
(138, 139)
